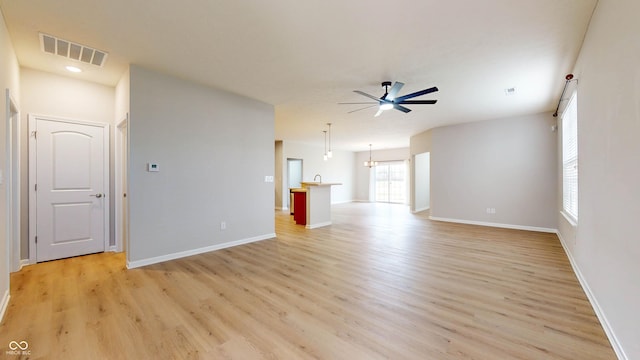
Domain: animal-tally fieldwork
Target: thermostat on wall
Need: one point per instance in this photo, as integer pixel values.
(152, 167)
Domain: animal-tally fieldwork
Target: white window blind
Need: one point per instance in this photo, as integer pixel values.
(570, 158)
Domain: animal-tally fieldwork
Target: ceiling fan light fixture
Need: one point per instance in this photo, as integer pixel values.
(386, 106)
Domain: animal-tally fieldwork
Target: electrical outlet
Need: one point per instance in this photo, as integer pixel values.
(223, 225)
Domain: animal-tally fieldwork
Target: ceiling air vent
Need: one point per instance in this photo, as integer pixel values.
(56, 46)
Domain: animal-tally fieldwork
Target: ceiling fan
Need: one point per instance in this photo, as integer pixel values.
(391, 100)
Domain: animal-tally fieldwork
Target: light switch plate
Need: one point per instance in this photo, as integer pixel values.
(153, 167)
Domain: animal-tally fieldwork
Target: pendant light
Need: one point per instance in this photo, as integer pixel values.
(370, 163)
(329, 153)
(325, 145)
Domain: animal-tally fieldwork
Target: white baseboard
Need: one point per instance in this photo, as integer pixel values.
(178, 255)
(23, 263)
(4, 304)
(421, 209)
(615, 344)
(317, 225)
(498, 225)
(281, 208)
(113, 248)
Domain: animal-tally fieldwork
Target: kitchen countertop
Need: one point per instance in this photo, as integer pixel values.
(313, 183)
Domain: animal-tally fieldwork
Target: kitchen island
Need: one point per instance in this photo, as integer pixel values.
(318, 203)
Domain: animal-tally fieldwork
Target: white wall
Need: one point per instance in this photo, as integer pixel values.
(214, 150)
(9, 79)
(339, 169)
(605, 246)
(65, 97)
(422, 179)
(363, 173)
(506, 164)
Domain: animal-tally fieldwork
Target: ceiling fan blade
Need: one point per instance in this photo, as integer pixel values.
(367, 95)
(419, 102)
(378, 113)
(394, 90)
(357, 103)
(367, 107)
(401, 108)
(417, 93)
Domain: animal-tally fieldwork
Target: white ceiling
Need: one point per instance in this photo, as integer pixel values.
(306, 56)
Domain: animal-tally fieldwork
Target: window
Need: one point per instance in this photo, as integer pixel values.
(570, 159)
(390, 182)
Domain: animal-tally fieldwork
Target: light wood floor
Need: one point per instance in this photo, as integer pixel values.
(379, 283)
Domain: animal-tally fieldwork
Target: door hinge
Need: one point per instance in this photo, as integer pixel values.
(35, 134)
(36, 187)
(36, 239)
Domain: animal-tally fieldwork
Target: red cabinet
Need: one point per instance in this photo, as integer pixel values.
(300, 207)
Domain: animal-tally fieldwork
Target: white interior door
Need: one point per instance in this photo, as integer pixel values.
(70, 188)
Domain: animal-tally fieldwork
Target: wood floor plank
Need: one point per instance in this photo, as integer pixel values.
(379, 283)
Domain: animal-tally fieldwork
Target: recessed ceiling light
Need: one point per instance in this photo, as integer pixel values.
(73, 69)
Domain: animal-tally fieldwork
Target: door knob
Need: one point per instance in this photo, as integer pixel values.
(96, 195)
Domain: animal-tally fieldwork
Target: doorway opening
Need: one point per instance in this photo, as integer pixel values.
(294, 178)
(422, 192)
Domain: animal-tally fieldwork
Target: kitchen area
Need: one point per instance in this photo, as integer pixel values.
(310, 204)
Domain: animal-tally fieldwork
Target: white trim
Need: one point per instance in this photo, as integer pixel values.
(119, 144)
(498, 225)
(342, 202)
(23, 263)
(421, 209)
(313, 226)
(569, 218)
(281, 208)
(113, 248)
(182, 254)
(615, 344)
(4, 304)
(13, 182)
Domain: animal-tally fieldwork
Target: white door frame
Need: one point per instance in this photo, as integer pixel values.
(119, 177)
(12, 179)
(32, 178)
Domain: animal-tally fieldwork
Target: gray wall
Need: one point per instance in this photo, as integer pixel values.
(214, 150)
(506, 164)
(605, 245)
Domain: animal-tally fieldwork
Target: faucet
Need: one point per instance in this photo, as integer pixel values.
(317, 175)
